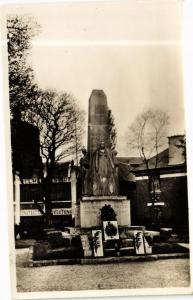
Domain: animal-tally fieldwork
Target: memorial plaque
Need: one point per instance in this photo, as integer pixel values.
(141, 245)
(97, 243)
(111, 231)
(148, 248)
(86, 245)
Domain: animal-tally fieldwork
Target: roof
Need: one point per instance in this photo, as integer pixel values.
(130, 160)
(176, 135)
(163, 160)
(125, 172)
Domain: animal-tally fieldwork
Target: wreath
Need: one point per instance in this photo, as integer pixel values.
(108, 213)
(110, 229)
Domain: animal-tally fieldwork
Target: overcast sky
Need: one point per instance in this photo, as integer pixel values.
(130, 49)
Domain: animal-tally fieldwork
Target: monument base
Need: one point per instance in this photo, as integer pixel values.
(90, 214)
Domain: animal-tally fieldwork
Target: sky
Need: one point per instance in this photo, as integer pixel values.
(131, 49)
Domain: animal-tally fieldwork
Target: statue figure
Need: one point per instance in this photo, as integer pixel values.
(103, 176)
(84, 165)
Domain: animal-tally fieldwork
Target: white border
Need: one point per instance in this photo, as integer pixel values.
(4, 245)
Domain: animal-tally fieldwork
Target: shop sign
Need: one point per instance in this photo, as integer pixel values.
(36, 212)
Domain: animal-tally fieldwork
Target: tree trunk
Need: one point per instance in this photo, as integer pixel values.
(48, 213)
(47, 189)
(151, 190)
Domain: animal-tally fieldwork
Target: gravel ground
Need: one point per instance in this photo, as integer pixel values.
(152, 274)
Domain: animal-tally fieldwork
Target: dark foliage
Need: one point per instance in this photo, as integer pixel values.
(23, 90)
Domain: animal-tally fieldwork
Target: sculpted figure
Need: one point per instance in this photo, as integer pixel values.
(103, 176)
(84, 171)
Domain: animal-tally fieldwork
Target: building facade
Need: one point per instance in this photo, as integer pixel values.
(63, 197)
(169, 192)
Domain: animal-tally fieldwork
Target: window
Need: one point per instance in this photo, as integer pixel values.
(155, 188)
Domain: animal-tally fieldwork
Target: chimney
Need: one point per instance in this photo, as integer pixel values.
(176, 156)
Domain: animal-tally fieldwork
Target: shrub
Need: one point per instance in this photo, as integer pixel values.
(56, 239)
(40, 250)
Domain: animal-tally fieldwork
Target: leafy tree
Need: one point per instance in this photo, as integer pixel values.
(22, 88)
(23, 92)
(60, 122)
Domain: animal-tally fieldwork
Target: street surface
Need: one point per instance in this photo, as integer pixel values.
(149, 274)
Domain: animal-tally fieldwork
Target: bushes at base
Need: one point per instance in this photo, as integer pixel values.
(65, 253)
(55, 239)
(166, 248)
(58, 247)
(43, 252)
(40, 250)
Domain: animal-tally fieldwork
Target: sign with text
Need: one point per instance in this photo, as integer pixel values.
(36, 212)
(30, 213)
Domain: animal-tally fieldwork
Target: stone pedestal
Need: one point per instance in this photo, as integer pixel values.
(77, 215)
(90, 210)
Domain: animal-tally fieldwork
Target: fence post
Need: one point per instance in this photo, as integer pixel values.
(17, 199)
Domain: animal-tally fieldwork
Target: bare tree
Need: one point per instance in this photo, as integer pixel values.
(60, 122)
(148, 136)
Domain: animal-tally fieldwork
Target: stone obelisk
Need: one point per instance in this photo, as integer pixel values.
(98, 121)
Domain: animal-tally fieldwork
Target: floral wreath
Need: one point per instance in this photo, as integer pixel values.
(110, 229)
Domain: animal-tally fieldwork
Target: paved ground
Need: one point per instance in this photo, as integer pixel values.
(155, 274)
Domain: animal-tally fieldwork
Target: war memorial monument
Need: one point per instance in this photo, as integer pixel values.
(100, 169)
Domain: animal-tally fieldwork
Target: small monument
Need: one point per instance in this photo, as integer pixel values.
(99, 167)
